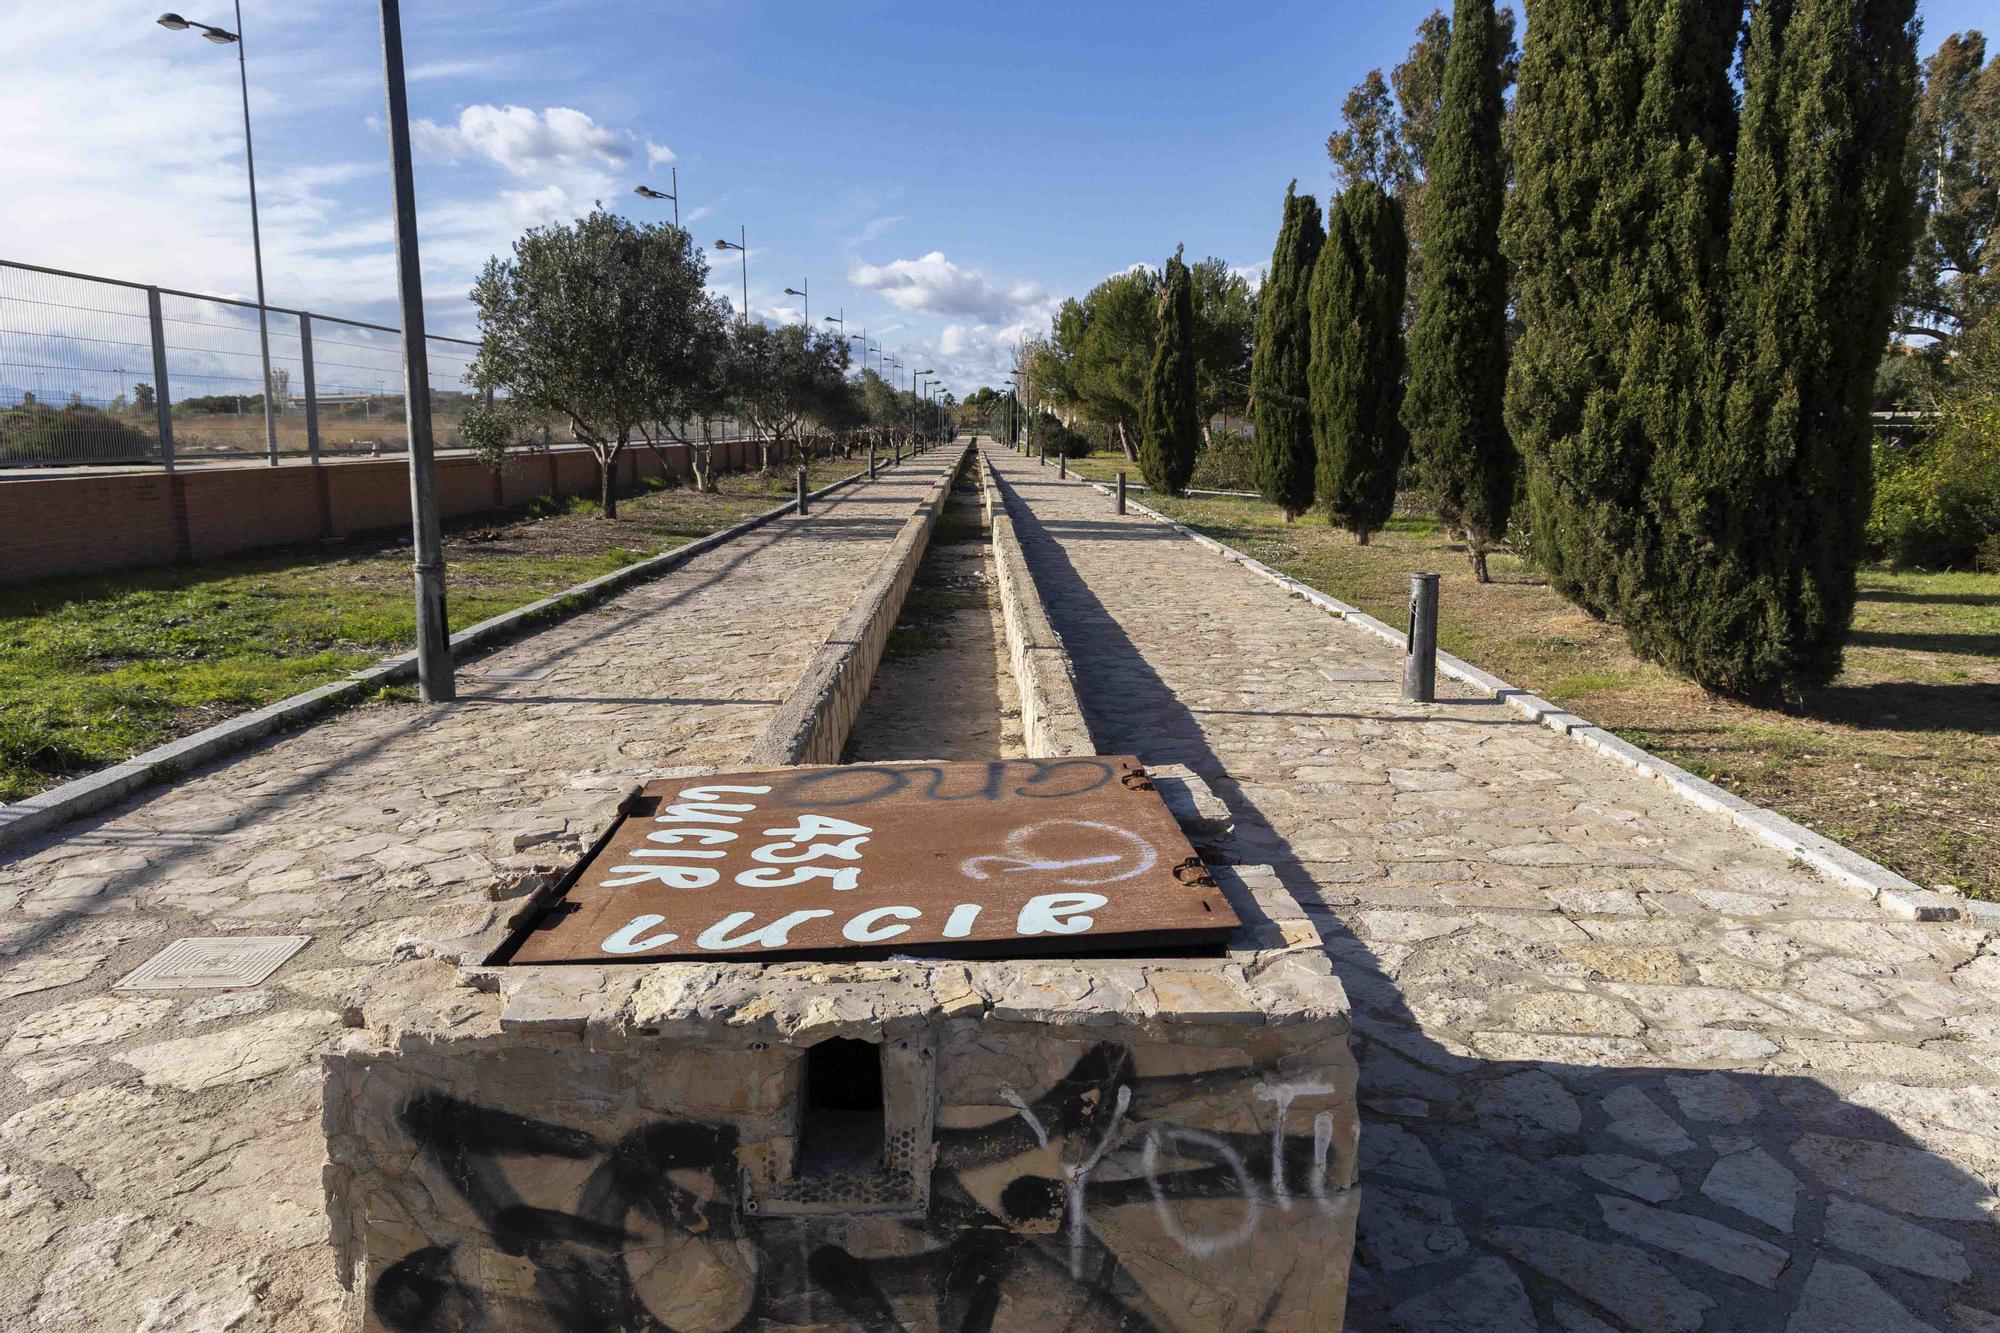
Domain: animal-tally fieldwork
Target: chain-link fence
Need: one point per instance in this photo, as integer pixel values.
(97, 370)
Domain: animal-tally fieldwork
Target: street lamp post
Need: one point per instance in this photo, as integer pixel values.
(649, 192)
(741, 245)
(221, 37)
(805, 296)
(434, 670)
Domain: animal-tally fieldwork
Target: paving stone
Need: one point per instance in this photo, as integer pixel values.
(1389, 1153)
(1840, 1299)
(235, 1055)
(1720, 1247)
(1638, 1120)
(1572, 1320)
(1715, 1099)
(1974, 1321)
(1755, 1184)
(1573, 1013)
(1648, 1180)
(1533, 1100)
(26, 976)
(1403, 1229)
(1619, 1278)
(1904, 1180)
(92, 1022)
(1875, 1235)
(1486, 1298)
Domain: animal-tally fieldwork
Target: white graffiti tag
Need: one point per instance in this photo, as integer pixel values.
(1127, 855)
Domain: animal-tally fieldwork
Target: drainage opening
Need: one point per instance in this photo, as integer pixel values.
(841, 1127)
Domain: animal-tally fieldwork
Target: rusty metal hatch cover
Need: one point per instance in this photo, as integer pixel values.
(1024, 857)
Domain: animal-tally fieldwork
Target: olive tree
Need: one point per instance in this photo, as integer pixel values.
(602, 323)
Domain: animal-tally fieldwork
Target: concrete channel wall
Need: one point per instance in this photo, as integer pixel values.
(811, 726)
(1163, 1142)
(1051, 718)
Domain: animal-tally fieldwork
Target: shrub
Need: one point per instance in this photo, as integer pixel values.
(1937, 504)
(1229, 463)
(37, 434)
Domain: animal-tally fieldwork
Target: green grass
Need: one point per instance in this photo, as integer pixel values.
(1899, 757)
(96, 669)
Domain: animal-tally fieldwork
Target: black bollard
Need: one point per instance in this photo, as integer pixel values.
(1062, 465)
(1420, 665)
(871, 462)
(1121, 492)
(802, 492)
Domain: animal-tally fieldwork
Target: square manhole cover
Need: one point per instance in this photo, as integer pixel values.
(214, 964)
(1020, 857)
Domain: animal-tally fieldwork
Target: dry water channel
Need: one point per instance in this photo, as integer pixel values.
(944, 689)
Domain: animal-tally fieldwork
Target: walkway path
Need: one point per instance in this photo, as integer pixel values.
(1623, 1067)
(160, 1152)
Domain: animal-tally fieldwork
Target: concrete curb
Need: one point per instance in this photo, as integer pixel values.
(1052, 725)
(49, 810)
(1896, 895)
(811, 725)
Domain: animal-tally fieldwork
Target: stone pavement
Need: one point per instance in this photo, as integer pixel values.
(160, 1152)
(1623, 1067)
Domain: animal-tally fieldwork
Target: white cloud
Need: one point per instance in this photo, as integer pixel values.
(933, 285)
(874, 228)
(525, 143)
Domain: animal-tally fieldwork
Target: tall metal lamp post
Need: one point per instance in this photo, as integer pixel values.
(648, 192)
(223, 37)
(805, 296)
(434, 669)
(741, 245)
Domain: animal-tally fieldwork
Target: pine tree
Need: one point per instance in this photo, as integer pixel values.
(1767, 513)
(1278, 385)
(1458, 348)
(1169, 425)
(1356, 372)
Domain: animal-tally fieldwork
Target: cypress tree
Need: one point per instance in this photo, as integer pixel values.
(1458, 347)
(1766, 517)
(1624, 124)
(1356, 373)
(1169, 425)
(1278, 384)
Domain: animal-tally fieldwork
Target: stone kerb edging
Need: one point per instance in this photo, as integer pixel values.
(1896, 895)
(811, 725)
(1052, 722)
(36, 815)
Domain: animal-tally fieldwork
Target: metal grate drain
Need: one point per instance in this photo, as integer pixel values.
(214, 964)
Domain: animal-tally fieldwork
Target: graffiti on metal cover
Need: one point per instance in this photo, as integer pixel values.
(808, 862)
(1038, 1210)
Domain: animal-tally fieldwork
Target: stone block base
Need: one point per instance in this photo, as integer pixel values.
(925, 1145)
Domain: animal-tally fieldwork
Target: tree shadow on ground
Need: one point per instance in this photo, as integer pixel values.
(1909, 706)
(1611, 1189)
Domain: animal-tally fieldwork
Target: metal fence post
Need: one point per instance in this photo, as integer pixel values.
(162, 400)
(1420, 665)
(312, 399)
(1121, 492)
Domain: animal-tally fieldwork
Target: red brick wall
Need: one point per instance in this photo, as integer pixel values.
(63, 525)
(55, 526)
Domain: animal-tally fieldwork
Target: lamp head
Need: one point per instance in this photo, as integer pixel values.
(218, 36)
(174, 21)
(793, 291)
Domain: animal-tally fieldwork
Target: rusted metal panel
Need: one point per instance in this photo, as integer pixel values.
(1029, 857)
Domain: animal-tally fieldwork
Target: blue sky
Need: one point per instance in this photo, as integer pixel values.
(943, 174)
